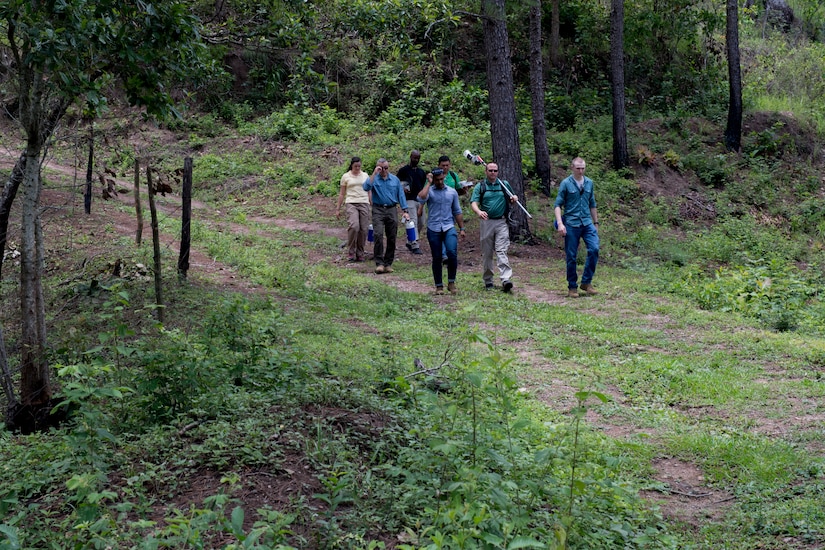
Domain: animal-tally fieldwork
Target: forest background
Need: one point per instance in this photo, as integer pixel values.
(289, 399)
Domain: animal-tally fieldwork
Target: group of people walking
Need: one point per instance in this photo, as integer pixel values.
(375, 199)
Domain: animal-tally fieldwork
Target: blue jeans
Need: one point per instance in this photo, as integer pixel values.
(449, 240)
(590, 235)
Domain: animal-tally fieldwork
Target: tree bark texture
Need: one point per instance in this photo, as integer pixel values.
(503, 121)
(620, 155)
(35, 385)
(153, 211)
(186, 219)
(87, 195)
(6, 379)
(537, 100)
(555, 43)
(6, 201)
(138, 206)
(733, 130)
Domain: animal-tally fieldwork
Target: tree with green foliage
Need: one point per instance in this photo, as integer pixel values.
(63, 53)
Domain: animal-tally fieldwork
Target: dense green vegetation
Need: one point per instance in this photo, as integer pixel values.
(288, 412)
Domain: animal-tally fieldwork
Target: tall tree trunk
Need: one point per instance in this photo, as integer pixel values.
(6, 379)
(733, 130)
(503, 121)
(38, 116)
(537, 99)
(6, 200)
(620, 155)
(87, 195)
(555, 43)
(35, 385)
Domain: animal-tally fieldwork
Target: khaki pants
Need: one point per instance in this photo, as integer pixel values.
(495, 240)
(358, 223)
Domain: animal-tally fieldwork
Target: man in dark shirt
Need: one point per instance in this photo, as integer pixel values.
(413, 178)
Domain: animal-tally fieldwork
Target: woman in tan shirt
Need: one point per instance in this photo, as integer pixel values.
(358, 209)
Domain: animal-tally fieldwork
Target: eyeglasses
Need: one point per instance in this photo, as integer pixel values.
(578, 167)
(384, 167)
(491, 170)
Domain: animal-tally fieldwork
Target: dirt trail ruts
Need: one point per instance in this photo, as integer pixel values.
(688, 505)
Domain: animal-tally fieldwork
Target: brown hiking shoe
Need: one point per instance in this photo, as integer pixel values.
(379, 269)
(589, 290)
(388, 269)
(572, 293)
(439, 290)
(451, 287)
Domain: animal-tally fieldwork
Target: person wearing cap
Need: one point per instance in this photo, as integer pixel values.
(580, 222)
(443, 213)
(491, 204)
(387, 195)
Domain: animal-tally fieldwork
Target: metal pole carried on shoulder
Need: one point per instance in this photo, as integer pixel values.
(477, 160)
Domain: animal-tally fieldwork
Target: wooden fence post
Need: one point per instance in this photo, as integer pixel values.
(138, 206)
(186, 220)
(87, 195)
(156, 244)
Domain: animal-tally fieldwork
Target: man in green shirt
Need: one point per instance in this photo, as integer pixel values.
(491, 203)
(450, 178)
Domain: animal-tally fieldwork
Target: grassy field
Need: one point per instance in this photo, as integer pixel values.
(281, 405)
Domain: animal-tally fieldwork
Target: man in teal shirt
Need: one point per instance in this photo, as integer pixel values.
(490, 202)
(580, 222)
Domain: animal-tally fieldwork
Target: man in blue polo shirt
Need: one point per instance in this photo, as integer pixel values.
(443, 212)
(387, 195)
(580, 222)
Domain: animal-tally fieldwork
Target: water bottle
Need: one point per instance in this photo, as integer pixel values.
(370, 234)
(410, 225)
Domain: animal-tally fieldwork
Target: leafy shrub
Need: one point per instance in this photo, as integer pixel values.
(768, 143)
(235, 113)
(737, 240)
(756, 187)
(325, 188)
(173, 377)
(645, 156)
(560, 111)
(713, 171)
(673, 160)
(774, 292)
(612, 187)
(303, 124)
(807, 215)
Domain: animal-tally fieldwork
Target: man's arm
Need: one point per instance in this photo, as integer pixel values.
(594, 216)
(481, 213)
(512, 195)
(459, 220)
(402, 200)
(559, 222)
(425, 192)
(368, 184)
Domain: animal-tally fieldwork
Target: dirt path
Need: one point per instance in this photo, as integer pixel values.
(65, 224)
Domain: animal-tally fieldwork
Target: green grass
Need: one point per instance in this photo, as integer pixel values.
(310, 372)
